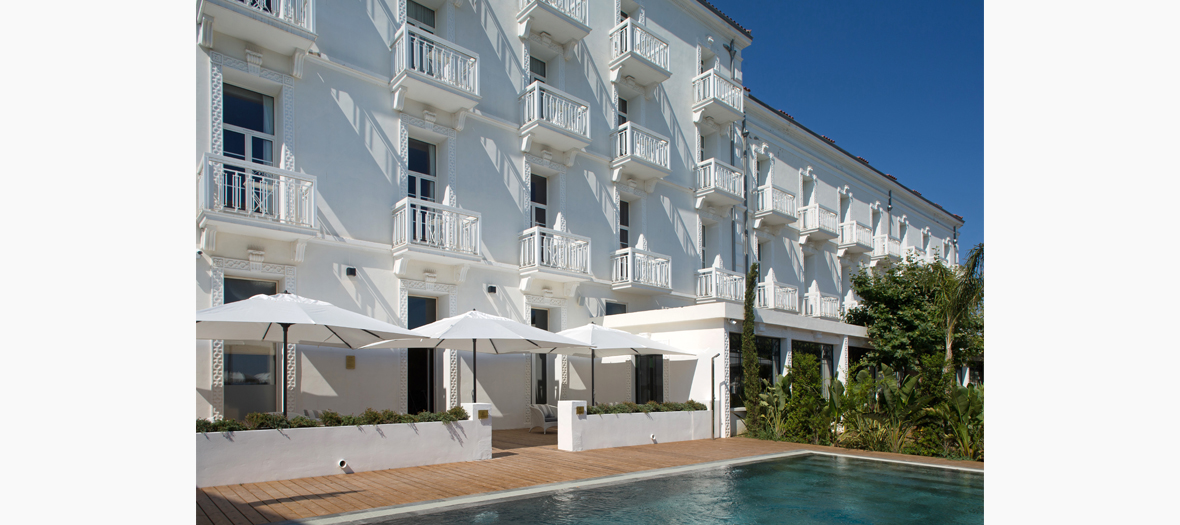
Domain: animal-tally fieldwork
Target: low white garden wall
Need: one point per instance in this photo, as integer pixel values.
(225, 458)
(587, 432)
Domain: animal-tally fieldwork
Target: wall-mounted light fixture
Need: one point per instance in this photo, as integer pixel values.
(491, 288)
(350, 271)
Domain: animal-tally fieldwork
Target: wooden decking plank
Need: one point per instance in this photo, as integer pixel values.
(226, 506)
(243, 500)
(272, 502)
(296, 494)
(208, 509)
(347, 492)
(341, 499)
(320, 498)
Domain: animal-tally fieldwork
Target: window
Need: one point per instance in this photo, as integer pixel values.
(622, 111)
(762, 253)
(624, 224)
(248, 135)
(769, 362)
(541, 379)
(421, 159)
(420, 16)
(615, 308)
(538, 68)
(623, 16)
(539, 318)
(420, 369)
(825, 354)
(249, 368)
(540, 198)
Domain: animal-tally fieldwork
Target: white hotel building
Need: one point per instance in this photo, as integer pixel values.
(556, 162)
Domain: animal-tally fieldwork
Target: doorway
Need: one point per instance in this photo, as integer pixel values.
(420, 361)
(250, 369)
(649, 378)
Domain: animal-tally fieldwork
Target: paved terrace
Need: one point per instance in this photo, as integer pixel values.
(519, 459)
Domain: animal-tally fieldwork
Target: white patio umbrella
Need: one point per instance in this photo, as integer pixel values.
(284, 317)
(607, 342)
(490, 334)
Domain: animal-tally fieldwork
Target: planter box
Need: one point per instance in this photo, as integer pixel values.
(587, 432)
(227, 458)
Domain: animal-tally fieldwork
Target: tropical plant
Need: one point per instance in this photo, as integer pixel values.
(957, 292)
(963, 414)
(773, 406)
(750, 366)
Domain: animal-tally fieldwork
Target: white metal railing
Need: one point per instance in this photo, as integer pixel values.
(777, 297)
(541, 102)
(633, 139)
(436, 58)
(773, 199)
(822, 305)
(632, 265)
(295, 12)
(714, 174)
(575, 9)
(816, 217)
(258, 191)
(425, 223)
(856, 233)
(554, 249)
(631, 36)
(884, 245)
(719, 283)
(712, 85)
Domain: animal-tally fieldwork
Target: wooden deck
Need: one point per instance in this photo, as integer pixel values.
(519, 459)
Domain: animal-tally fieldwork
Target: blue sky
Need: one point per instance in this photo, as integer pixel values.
(898, 83)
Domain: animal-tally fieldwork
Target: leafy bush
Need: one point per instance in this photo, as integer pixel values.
(329, 418)
(221, 425)
(260, 421)
(303, 422)
(627, 407)
(459, 414)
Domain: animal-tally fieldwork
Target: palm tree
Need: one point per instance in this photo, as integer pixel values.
(957, 292)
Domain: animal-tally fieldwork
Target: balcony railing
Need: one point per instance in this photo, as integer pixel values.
(633, 139)
(884, 245)
(575, 9)
(777, 297)
(294, 12)
(631, 36)
(824, 306)
(541, 102)
(769, 198)
(816, 217)
(436, 58)
(712, 85)
(632, 265)
(543, 247)
(257, 191)
(856, 233)
(719, 283)
(424, 223)
(714, 174)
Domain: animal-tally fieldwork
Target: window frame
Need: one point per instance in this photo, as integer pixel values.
(249, 134)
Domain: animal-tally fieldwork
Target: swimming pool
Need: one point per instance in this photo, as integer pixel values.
(808, 488)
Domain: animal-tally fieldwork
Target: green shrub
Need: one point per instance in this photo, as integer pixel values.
(627, 407)
(204, 425)
(330, 418)
(459, 414)
(303, 422)
(261, 421)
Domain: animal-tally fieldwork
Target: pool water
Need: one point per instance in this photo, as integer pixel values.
(803, 489)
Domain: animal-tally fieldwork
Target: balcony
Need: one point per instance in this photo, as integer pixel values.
(719, 185)
(433, 71)
(563, 20)
(886, 247)
(855, 238)
(773, 207)
(283, 26)
(432, 232)
(822, 305)
(817, 223)
(777, 296)
(640, 154)
(719, 284)
(254, 199)
(639, 54)
(554, 255)
(635, 270)
(716, 97)
(553, 118)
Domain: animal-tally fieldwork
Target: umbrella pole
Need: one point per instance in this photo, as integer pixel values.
(283, 361)
(474, 376)
(591, 374)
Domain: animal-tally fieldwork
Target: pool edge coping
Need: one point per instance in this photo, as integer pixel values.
(365, 516)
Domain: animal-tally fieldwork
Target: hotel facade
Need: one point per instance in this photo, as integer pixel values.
(557, 162)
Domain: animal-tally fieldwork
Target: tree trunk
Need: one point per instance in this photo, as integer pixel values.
(950, 353)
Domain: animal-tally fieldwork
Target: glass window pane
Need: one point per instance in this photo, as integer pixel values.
(413, 186)
(615, 308)
(427, 192)
(624, 241)
(539, 217)
(422, 311)
(421, 157)
(540, 318)
(247, 109)
(249, 364)
(233, 144)
(420, 13)
(540, 189)
(238, 289)
(624, 213)
(623, 106)
(537, 66)
(262, 151)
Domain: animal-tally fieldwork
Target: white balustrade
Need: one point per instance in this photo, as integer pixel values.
(714, 174)
(856, 233)
(294, 12)
(541, 102)
(822, 305)
(773, 199)
(719, 283)
(543, 247)
(712, 85)
(631, 36)
(632, 265)
(436, 58)
(633, 139)
(884, 245)
(575, 9)
(816, 217)
(258, 191)
(777, 297)
(424, 223)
